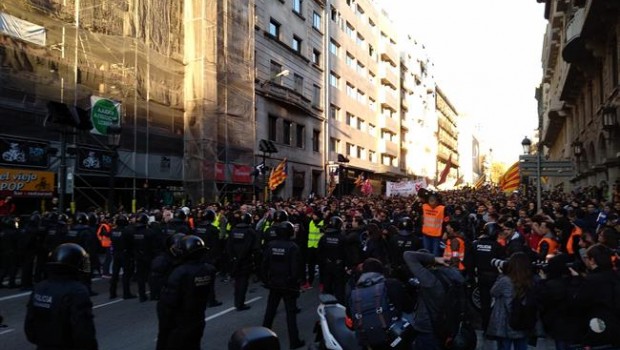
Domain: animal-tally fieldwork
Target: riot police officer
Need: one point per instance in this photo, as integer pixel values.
(30, 240)
(163, 264)
(59, 313)
(178, 224)
(8, 250)
(181, 309)
(211, 237)
(82, 234)
(484, 249)
(123, 255)
(271, 232)
(400, 243)
(142, 248)
(241, 246)
(332, 257)
(281, 274)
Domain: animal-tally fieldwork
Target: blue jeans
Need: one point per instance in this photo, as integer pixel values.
(426, 341)
(431, 244)
(507, 344)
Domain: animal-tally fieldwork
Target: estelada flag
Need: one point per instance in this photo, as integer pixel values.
(278, 175)
(444, 173)
(480, 181)
(511, 180)
(367, 187)
(359, 181)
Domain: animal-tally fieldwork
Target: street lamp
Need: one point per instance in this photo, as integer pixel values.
(609, 118)
(527, 145)
(577, 148)
(114, 141)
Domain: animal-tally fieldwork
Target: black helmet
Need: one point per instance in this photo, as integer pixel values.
(172, 243)
(405, 224)
(35, 218)
(142, 219)
(210, 215)
(191, 247)
(280, 216)
(51, 216)
(122, 220)
(63, 219)
(72, 256)
(334, 225)
(93, 220)
(246, 218)
(180, 214)
(81, 218)
(285, 229)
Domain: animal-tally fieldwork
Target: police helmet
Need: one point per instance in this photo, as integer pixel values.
(172, 242)
(51, 216)
(143, 219)
(180, 214)
(186, 211)
(246, 218)
(210, 215)
(122, 220)
(63, 219)
(71, 256)
(35, 218)
(405, 224)
(280, 216)
(334, 225)
(285, 229)
(81, 218)
(93, 220)
(191, 247)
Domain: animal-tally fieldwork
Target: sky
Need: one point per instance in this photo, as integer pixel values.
(487, 56)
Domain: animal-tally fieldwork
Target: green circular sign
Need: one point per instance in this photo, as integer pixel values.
(104, 114)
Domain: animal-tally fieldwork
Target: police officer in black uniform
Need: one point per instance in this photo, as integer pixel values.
(163, 264)
(241, 246)
(184, 298)
(81, 233)
(211, 237)
(142, 248)
(272, 232)
(484, 249)
(30, 239)
(123, 255)
(281, 274)
(178, 224)
(332, 257)
(59, 314)
(9, 238)
(400, 243)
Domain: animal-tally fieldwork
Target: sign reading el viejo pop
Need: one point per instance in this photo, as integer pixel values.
(104, 113)
(26, 183)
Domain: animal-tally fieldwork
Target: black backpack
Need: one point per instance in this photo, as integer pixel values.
(523, 312)
(447, 322)
(372, 314)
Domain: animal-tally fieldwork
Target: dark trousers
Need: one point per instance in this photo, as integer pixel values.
(121, 262)
(8, 268)
(485, 282)
(39, 269)
(333, 278)
(426, 341)
(27, 269)
(242, 281)
(290, 298)
(142, 273)
(311, 262)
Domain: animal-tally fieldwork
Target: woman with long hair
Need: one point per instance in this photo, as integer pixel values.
(516, 282)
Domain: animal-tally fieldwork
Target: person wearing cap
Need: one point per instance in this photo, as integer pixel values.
(59, 314)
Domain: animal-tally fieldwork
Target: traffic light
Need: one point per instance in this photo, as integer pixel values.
(60, 114)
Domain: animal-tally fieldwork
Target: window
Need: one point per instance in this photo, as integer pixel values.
(361, 69)
(361, 97)
(297, 6)
(316, 57)
(296, 44)
(274, 28)
(299, 137)
(372, 157)
(360, 40)
(371, 51)
(316, 21)
(351, 92)
(386, 160)
(334, 14)
(350, 119)
(334, 80)
(286, 132)
(371, 129)
(371, 104)
(350, 31)
(334, 47)
(350, 60)
(274, 69)
(316, 140)
(371, 77)
(361, 125)
(316, 95)
(334, 112)
(360, 150)
(299, 84)
(334, 145)
(350, 149)
(273, 128)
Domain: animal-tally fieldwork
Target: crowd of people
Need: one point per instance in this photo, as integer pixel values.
(539, 272)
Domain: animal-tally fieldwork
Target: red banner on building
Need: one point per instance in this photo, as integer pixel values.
(220, 172)
(241, 174)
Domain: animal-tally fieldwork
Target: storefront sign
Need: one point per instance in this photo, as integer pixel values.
(22, 153)
(26, 183)
(104, 113)
(94, 160)
(241, 174)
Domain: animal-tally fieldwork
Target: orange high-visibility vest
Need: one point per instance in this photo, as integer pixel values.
(190, 223)
(575, 232)
(106, 242)
(449, 254)
(553, 247)
(432, 220)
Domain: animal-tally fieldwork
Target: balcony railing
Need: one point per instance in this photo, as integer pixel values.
(574, 47)
(389, 147)
(286, 95)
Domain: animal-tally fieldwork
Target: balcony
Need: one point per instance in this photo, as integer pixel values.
(287, 96)
(388, 98)
(391, 124)
(389, 147)
(553, 121)
(388, 52)
(404, 101)
(574, 49)
(387, 75)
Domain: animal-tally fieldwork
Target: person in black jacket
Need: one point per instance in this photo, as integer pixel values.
(143, 253)
(483, 250)
(29, 238)
(281, 274)
(9, 238)
(403, 241)
(241, 245)
(332, 256)
(59, 313)
(163, 264)
(123, 255)
(211, 236)
(184, 298)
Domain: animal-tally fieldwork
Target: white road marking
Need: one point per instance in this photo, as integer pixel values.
(224, 312)
(7, 331)
(106, 304)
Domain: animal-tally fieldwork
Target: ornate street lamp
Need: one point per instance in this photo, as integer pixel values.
(577, 148)
(527, 145)
(610, 121)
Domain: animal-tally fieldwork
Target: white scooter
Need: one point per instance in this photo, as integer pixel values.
(331, 330)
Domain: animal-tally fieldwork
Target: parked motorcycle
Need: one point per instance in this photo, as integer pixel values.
(331, 330)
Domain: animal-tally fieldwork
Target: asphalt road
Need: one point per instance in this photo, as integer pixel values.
(129, 324)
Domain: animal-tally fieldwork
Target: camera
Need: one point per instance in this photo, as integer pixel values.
(498, 263)
(401, 331)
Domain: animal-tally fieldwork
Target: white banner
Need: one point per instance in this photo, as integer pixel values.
(404, 188)
(20, 29)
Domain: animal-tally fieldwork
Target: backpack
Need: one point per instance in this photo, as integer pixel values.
(523, 312)
(372, 314)
(447, 322)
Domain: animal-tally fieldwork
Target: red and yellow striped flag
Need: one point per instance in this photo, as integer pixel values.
(511, 180)
(481, 180)
(278, 175)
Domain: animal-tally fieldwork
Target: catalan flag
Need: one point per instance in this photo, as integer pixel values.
(359, 181)
(278, 175)
(481, 181)
(510, 180)
(444, 173)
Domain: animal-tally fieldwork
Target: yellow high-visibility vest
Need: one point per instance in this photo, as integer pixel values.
(314, 234)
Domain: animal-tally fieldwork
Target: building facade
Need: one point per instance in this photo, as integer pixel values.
(447, 138)
(578, 96)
